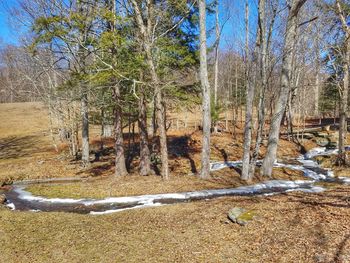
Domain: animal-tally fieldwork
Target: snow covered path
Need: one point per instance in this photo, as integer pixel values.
(20, 199)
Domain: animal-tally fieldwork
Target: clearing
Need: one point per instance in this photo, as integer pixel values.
(293, 227)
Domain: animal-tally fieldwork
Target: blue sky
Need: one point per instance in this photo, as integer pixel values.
(232, 35)
(7, 34)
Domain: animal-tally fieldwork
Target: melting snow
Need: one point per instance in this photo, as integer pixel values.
(11, 206)
(260, 188)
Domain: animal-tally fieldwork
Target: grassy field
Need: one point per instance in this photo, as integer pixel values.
(27, 153)
(289, 228)
(26, 150)
(293, 227)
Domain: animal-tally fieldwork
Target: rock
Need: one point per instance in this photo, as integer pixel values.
(322, 134)
(70, 167)
(332, 145)
(308, 136)
(2, 199)
(41, 162)
(322, 141)
(240, 216)
(326, 128)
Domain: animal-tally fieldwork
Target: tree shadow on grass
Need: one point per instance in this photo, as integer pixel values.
(342, 254)
(14, 147)
(182, 146)
(318, 207)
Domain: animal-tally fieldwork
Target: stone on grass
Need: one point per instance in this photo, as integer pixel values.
(2, 199)
(240, 216)
(322, 141)
(308, 136)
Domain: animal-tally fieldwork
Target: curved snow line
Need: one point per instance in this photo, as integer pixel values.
(282, 185)
(110, 211)
(274, 186)
(310, 189)
(304, 167)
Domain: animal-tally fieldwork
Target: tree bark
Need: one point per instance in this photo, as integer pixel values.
(160, 115)
(145, 156)
(205, 169)
(249, 106)
(216, 64)
(146, 32)
(85, 149)
(343, 107)
(317, 78)
(236, 106)
(217, 40)
(263, 80)
(120, 167)
(280, 106)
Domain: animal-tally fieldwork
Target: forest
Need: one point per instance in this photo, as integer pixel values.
(174, 131)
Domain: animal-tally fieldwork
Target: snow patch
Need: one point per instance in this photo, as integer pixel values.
(123, 209)
(146, 200)
(11, 206)
(309, 167)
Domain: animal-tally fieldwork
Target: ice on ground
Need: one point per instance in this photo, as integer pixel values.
(11, 206)
(123, 209)
(150, 199)
(25, 195)
(312, 189)
(274, 186)
(344, 179)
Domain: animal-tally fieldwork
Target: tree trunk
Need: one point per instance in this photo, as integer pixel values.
(317, 80)
(160, 116)
(120, 167)
(205, 169)
(146, 34)
(145, 157)
(102, 128)
(216, 69)
(263, 78)
(249, 107)
(280, 106)
(343, 109)
(216, 64)
(75, 139)
(235, 108)
(85, 151)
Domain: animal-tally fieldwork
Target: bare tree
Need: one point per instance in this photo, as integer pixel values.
(280, 106)
(343, 127)
(249, 104)
(205, 170)
(147, 34)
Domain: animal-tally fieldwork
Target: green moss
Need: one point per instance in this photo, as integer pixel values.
(246, 216)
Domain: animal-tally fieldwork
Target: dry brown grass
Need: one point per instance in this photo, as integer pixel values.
(27, 151)
(293, 227)
(25, 144)
(136, 185)
(330, 162)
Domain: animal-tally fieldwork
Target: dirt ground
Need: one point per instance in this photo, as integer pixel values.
(293, 227)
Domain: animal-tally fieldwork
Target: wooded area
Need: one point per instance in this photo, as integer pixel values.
(131, 63)
(170, 89)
